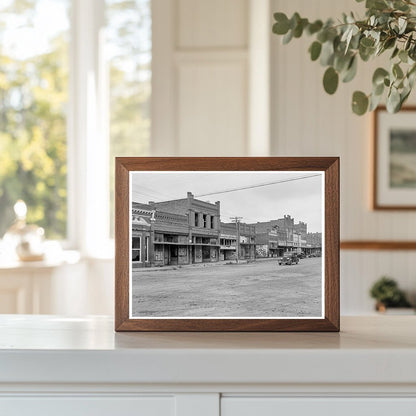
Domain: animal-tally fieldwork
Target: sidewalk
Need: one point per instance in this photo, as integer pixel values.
(201, 265)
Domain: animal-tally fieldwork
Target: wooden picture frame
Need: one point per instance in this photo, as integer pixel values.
(130, 251)
(394, 184)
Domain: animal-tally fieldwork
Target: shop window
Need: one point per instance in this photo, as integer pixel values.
(183, 239)
(136, 244)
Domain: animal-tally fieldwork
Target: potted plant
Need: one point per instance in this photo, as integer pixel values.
(389, 27)
(387, 294)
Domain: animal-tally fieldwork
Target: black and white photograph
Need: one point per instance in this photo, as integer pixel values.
(227, 244)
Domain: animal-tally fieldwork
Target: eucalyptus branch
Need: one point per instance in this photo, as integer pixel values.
(389, 25)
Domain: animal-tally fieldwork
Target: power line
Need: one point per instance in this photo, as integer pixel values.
(258, 186)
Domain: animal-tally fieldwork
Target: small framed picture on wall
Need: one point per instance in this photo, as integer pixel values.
(394, 159)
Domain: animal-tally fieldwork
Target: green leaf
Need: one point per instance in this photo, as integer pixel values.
(341, 61)
(367, 42)
(395, 52)
(351, 71)
(330, 80)
(397, 71)
(408, 42)
(281, 27)
(315, 50)
(412, 52)
(402, 24)
(393, 101)
(403, 56)
(389, 43)
(314, 27)
(404, 95)
(298, 30)
(322, 36)
(374, 102)
(359, 103)
(366, 53)
(379, 75)
(288, 37)
(294, 20)
(376, 4)
(327, 53)
(400, 5)
(378, 89)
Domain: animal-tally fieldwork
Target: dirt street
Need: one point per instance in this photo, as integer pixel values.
(262, 288)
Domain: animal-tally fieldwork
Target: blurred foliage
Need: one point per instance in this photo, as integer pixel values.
(33, 107)
(389, 27)
(387, 292)
(33, 97)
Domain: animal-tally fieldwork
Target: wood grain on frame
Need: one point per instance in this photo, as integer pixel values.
(330, 165)
(376, 205)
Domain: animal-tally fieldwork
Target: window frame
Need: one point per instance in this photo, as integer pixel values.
(137, 250)
(87, 132)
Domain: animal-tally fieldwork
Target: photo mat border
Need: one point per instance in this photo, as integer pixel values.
(328, 165)
(131, 173)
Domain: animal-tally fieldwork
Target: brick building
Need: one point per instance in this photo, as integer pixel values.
(176, 232)
(188, 230)
(275, 237)
(301, 228)
(230, 234)
(314, 241)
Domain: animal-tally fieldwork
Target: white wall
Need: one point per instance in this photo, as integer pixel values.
(200, 77)
(211, 92)
(308, 122)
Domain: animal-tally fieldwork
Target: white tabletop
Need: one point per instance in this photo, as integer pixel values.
(374, 349)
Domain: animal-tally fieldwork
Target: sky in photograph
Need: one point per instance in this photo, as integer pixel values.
(254, 196)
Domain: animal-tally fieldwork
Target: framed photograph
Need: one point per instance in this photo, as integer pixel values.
(395, 159)
(227, 244)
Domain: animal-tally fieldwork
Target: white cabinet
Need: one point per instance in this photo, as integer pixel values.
(80, 366)
(88, 406)
(268, 406)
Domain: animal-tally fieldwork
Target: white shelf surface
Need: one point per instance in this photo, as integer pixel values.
(53, 349)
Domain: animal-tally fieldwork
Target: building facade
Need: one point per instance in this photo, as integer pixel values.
(237, 240)
(188, 231)
(177, 232)
(275, 237)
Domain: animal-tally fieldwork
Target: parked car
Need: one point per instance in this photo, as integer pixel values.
(289, 259)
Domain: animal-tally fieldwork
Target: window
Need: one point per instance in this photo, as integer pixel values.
(136, 247)
(146, 249)
(75, 87)
(204, 220)
(212, 222)
(196, 219)
(34, 71)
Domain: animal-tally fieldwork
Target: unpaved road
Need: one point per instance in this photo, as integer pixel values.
(259, 289)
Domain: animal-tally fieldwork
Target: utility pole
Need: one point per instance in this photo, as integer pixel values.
(237, 227)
